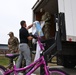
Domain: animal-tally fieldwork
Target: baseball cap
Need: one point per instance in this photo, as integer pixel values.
(10, 33)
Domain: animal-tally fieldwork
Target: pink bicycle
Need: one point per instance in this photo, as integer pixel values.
(33, 66)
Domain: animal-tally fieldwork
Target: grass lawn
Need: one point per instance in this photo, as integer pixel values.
(4, 61)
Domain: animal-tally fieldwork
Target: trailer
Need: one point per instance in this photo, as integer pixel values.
(65, 12)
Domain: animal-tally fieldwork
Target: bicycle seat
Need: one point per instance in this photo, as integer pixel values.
(12, 56)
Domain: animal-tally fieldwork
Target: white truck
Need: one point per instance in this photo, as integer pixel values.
(65, 10)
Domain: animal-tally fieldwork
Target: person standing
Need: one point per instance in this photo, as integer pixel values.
(13, 43)
(47, 25)
(23, 46)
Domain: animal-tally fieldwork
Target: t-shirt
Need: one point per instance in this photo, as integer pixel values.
(23, 34)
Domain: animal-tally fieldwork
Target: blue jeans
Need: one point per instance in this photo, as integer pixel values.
(24, 51)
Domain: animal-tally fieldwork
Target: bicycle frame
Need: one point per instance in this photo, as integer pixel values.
(33, 66)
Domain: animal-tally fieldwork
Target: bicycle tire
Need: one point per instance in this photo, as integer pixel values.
(56, 71)
(2, 70)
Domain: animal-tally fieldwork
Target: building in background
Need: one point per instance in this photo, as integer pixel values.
(3, 49)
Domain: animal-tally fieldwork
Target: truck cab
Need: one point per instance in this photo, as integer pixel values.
(64, 11)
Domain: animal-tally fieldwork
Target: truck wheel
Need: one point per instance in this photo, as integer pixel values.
(69, 64)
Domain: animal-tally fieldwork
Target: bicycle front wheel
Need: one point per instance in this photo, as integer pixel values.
(56, 71)
(2, 70)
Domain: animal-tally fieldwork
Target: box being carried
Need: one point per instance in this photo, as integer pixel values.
(37, 29)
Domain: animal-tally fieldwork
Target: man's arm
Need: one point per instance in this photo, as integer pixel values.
(29, 37)
(17, 41)
(9, 46)
(29, 26)
(8, 43)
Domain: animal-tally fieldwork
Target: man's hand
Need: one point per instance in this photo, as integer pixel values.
(34, 36)
(29, 37)
(29, 26)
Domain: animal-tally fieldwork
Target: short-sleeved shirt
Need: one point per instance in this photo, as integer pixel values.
(23, 34)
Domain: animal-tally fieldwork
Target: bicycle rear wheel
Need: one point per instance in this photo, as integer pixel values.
(56, 71)
(2, 70)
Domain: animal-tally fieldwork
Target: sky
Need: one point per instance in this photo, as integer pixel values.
(11, 13)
